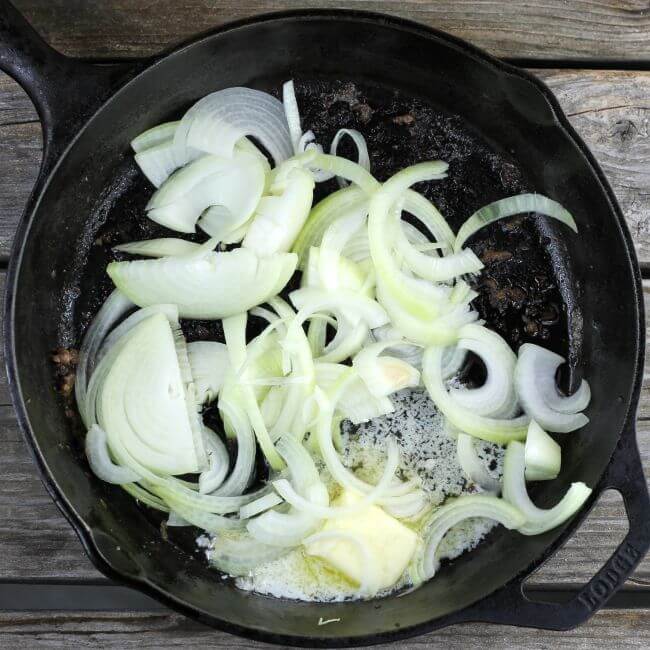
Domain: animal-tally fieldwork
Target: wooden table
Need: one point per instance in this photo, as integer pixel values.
(594, 54)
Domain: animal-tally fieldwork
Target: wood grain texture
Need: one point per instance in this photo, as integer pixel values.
(609, 109)
(159, 630)
(554, 29)
(611, 112)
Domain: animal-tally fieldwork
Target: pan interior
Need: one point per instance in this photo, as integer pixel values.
(415, 97)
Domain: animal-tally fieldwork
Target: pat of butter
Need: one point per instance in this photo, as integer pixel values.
(390, 543)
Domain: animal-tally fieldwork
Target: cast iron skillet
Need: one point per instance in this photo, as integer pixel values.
(89, 114)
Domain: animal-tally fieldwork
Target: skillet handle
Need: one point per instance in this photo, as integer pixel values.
(64, 91)
(510, 606)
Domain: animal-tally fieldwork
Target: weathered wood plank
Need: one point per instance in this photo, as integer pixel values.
(605, 29)
(610, 109)
(607, 629)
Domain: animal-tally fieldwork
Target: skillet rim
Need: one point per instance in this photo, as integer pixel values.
(15, 264)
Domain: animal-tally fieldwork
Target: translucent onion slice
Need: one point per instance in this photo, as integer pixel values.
(154, 136)
(348, 170)
(100, 461)
(209, 364)
(158, 162)
(363, 159)
(292, 115)
(497, 396)
(472, 465)
(236, 183)
(202, 286)
(433, 268)
(441, 330)
(542, 454)
(535, 383)
(260, 505)
(300, 464)
(163, 247)
(219, 120)
(491, 429)
(208, 521)
(281, 214)
(401, 287)
(341, 474)
(406, 351)
(356, 403)
(509, 207)
(114, 308)
(350, 305)
(537, 520)
(429, 216)
(238, 556)
(218, 463)
(322, 215)
(143, 403)
(232, 412)
(384, 375)
(453, 512)
(223, 225)
(283, 529)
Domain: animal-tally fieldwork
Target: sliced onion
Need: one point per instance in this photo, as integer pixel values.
(240, 555)
(231, 411)
(209, 364)
(114, 308)
(401, 293)
(280, 215)
(363, 159)
(509, 207)
(154, 136)
(223, 225)
(472, 465)
(100, 461)
(491, 429)
(452, 513)
(158, 162)
(300, 464)
(356, 403)
(542, 454)
(208, 521)
(260, 505)
(535, 381)
(408, 352)
(351, 305)
(323, 215)
(433, 268)
(283, 529)
(384, 375)
(347, 170)
(202, 286)
(219, 120)
(429, 216)
(497, 396)
(218, 463)
(143, 403)
(292, 115)
(234, 183)
(514, 491)
(163, 247)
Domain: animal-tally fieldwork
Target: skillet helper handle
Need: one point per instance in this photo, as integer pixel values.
(65, 91)
(510, 605)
